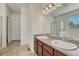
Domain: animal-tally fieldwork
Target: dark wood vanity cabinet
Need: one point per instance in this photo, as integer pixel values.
(47, 51)
(43, 49)
(35, 46)
(57, 53)
(40, 49)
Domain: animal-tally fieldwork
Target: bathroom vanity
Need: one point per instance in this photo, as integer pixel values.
(43, 49)
(43, 46)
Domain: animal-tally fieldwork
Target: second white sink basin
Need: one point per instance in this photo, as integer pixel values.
(42, 37)
(63, 44)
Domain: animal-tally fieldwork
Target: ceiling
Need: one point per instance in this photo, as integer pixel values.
(66, 8)
(14, 7)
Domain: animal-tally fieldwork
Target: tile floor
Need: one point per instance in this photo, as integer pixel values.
(14, 49)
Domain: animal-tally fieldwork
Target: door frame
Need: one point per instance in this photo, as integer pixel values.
(7, 30)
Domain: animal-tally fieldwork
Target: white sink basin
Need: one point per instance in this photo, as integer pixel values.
(63, 44)
(42, 37)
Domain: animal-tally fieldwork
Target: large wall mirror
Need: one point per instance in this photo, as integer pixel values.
(68, 22)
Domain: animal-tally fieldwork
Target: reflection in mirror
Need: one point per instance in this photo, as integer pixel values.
(67, 23)
(53, 28)
(57, 27)
(74, 22)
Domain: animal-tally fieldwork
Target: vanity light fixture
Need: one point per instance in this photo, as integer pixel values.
(43, 11)
(47, 8)
(51, 7)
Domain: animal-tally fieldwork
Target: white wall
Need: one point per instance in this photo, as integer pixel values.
(36, 18)
(47, 20)
(32, 22)
(41, 25)
(40, 22)
(15, 26)
(38, 25)
(3, 14)
(24, 26)
(8, 14)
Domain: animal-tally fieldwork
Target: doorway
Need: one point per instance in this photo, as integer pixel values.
(12, 28)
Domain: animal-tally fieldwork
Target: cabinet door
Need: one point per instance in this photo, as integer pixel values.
(57, 53)
(35, 45)
(48, 49)
(45, 53)
(40, 43)
(40, 50)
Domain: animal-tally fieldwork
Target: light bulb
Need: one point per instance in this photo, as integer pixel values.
(50, 6)
(46, 8)
(43, 11)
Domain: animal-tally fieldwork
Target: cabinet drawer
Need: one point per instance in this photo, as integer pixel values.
(40, 43)
(45, 53)
(39, 50)
(47, 48)
(57, 53)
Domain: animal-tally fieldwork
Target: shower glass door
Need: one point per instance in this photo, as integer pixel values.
(0, 31)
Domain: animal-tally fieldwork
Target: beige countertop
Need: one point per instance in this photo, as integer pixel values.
(74, 52)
